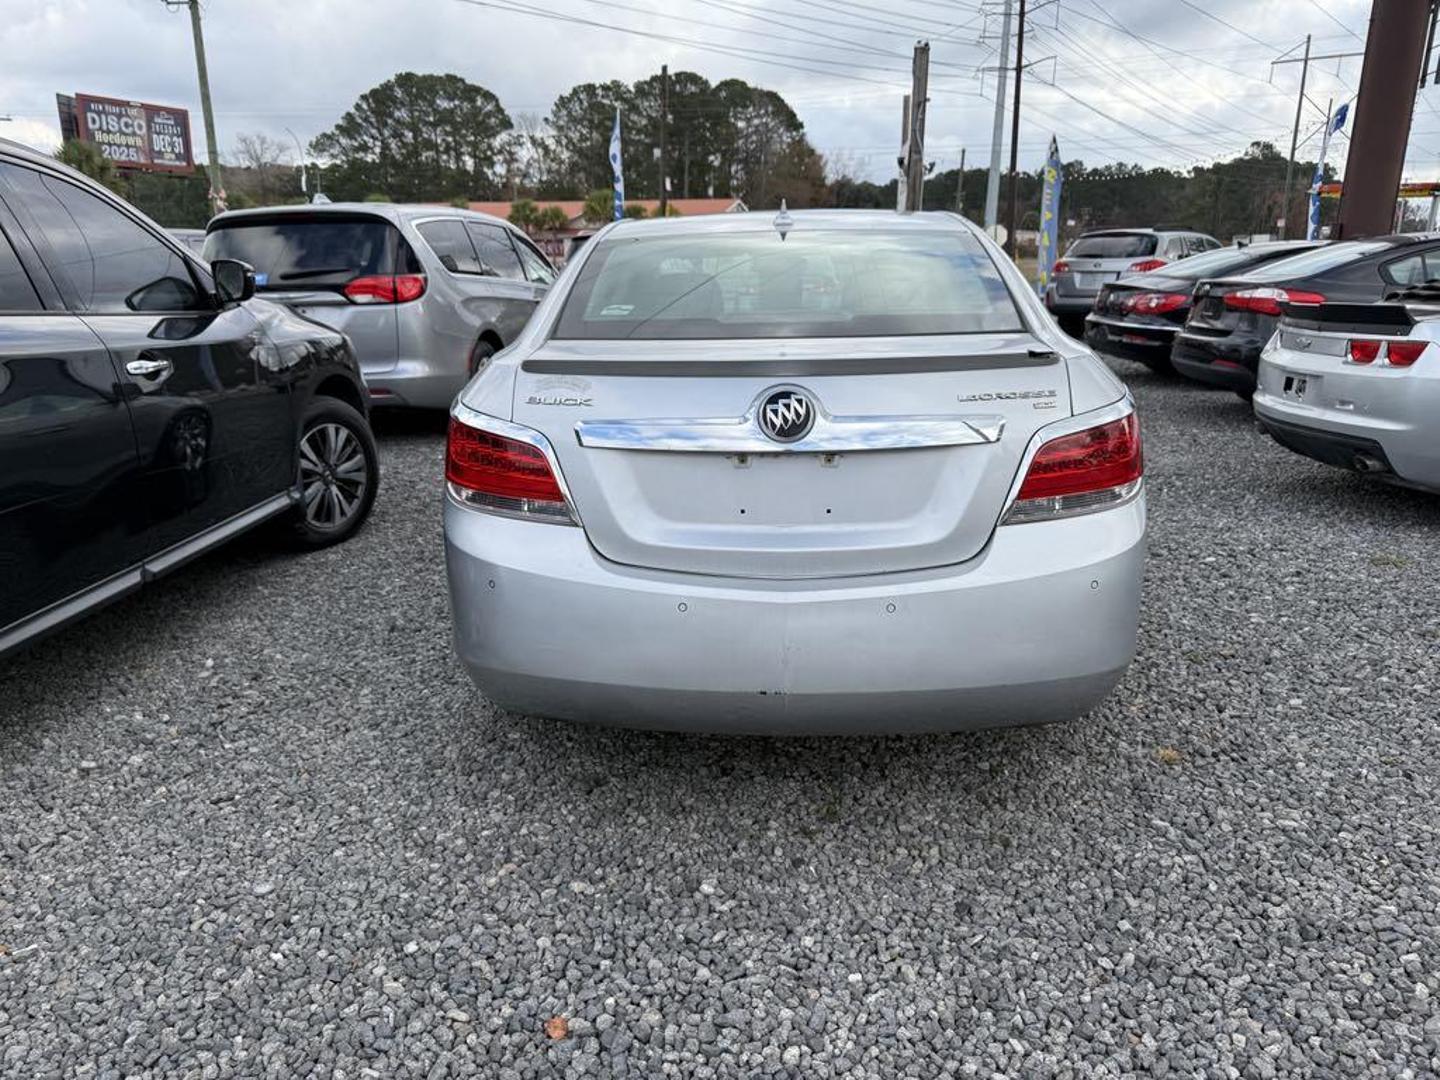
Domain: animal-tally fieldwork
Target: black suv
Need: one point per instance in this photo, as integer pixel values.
(149, 407)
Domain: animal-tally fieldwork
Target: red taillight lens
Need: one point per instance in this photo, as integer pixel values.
(490, 471)
(1364, 352)
(1081, 472)
(1144, 266)
(386, 288)
(1152, 303)
(1404, 353)
(1267, 301)
(1060, 267)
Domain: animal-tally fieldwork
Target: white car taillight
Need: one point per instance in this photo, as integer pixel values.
(504, 468)
(1081, 472)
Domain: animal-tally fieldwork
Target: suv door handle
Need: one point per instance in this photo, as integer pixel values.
(146, 366)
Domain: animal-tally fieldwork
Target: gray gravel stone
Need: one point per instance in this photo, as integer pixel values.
(1056, 902)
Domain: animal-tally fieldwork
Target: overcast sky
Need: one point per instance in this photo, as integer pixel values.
(1157, 82)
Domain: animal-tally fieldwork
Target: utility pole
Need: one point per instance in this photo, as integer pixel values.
(997, 137)
(1015, 131)
(217, 187)
(1294, 142)
(960, 186)
(1394, 54)
(915, 145)
(902, 186)
(664, 124)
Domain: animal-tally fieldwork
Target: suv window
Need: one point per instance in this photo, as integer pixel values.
(16, 292)
(309, 250)
(492, 244)
(1114, 246)
(537, 269)
(451, 244)
(112, 263)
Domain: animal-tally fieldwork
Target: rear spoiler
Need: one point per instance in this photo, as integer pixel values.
(1362, 318)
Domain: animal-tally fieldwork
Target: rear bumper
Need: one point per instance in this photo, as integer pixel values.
(1379, 422)
(1147, 343)
(1069, 305)
(418, 384)
(1224, 362)
(1037, 628)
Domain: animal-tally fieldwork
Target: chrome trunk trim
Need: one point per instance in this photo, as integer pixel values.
(830, 435)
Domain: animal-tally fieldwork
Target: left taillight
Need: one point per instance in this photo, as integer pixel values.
(505, 469)
(1266, 301)
(1081, 472)
(385, 288)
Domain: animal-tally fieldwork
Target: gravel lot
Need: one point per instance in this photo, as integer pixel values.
(256, 822)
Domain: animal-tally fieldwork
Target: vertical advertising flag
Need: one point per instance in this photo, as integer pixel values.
(1312, 229)
(1049, 216)
(617, 167)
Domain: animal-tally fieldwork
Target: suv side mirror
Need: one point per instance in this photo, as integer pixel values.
(234, 280)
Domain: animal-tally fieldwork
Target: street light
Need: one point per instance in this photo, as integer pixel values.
(304, 176)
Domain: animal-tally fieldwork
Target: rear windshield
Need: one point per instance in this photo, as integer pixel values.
(809, 284)
(307, 252)
(1317, 261)
(1215, 263)
(1114, 246)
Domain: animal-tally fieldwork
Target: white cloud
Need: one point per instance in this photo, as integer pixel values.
(278, 63)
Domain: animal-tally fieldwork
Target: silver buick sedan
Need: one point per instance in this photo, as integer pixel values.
(830, 471)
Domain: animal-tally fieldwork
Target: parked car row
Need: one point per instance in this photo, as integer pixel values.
(1209, 316)
(1332, 341)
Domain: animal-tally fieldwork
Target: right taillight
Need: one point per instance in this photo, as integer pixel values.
(1081, 472)
(506, 470)
(1404, 353)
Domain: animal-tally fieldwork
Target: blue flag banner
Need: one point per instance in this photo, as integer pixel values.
(617, 167)
(1312, 228)
(1049, 215)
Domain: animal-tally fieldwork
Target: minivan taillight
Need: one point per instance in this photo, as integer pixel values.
(386, 288)
(1080, 473)
(488, 470)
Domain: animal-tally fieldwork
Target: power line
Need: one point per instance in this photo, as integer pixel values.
(1228, 25)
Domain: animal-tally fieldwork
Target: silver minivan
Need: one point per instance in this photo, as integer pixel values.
(426, 294)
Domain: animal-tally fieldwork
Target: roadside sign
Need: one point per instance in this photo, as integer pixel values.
(132, 134)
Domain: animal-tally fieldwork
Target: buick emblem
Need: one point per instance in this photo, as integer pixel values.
(787, 415)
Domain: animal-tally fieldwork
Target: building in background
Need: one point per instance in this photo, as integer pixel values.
(557, 244)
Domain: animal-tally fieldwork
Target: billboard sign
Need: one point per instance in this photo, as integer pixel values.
(133, 134)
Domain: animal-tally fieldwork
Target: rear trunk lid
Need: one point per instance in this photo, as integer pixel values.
(915, 447)
(1210, 316)
(1098, 259)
